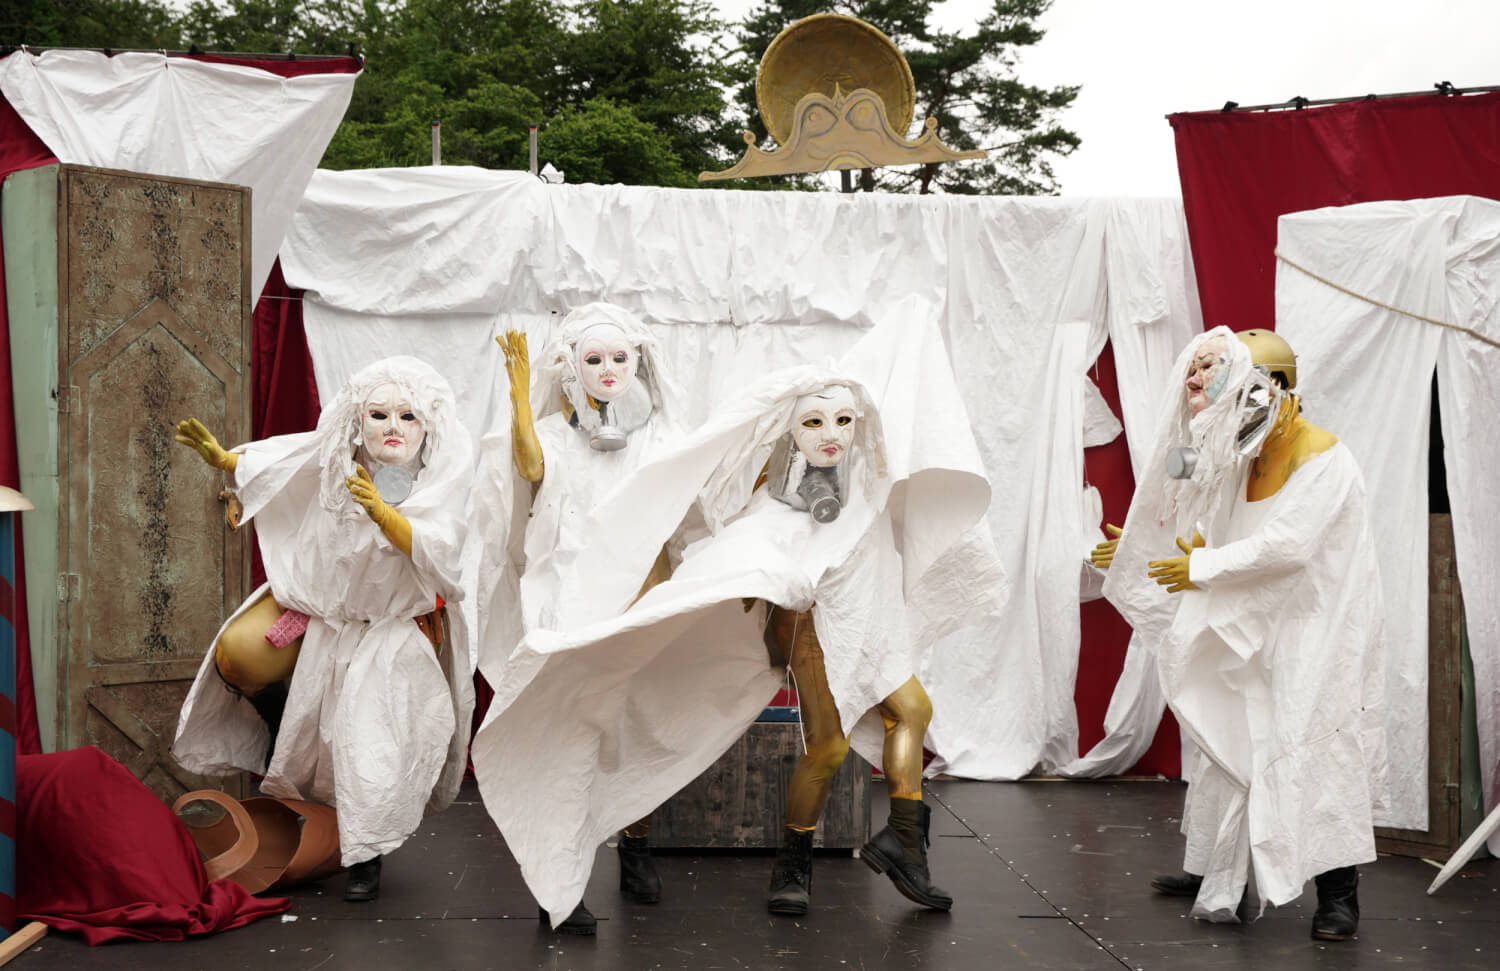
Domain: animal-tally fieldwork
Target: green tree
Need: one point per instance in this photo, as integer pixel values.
(967, 81)
(89, 23)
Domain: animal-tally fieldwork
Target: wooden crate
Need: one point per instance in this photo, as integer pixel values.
(740, 801)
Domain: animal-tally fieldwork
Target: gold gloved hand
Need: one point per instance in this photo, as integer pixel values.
(1173, 573)
(394, 525)
(524, 444)
(1104, 554)
(194, 435)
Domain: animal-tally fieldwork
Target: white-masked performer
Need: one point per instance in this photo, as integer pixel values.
(1247, 558)
(629, 707)
(342, 679)
(603, 407)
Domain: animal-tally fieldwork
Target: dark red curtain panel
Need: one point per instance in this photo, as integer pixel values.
(1240, 171)
(1104, 633)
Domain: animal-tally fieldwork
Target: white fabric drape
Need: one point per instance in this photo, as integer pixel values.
(1366, 374)
(175, 116)
(735, 284)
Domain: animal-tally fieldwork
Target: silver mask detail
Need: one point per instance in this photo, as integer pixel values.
(819, 491)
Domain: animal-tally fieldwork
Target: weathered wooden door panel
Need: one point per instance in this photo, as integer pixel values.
(1445, 765)
(154, 326)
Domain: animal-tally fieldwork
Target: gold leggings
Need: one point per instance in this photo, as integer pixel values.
(905, 712)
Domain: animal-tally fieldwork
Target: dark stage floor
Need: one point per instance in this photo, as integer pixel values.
(1045, 875)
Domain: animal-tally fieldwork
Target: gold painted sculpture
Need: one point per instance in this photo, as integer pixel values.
(836, 94)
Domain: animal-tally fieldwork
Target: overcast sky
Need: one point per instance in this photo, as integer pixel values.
(1139, 60)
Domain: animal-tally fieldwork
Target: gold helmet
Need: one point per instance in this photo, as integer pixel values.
(1269, 350)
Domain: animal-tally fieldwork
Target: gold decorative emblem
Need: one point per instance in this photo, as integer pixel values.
(829, 88)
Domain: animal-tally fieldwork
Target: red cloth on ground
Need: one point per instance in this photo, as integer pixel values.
(98, 853)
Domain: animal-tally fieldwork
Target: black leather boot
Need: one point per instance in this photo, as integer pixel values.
(1337, 917)
(580, 922)
(900, 852)
(638, 879)
(364, 881)
(1182, 884)
(791, 877)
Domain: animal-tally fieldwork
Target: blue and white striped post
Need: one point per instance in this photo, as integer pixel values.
(11, 503)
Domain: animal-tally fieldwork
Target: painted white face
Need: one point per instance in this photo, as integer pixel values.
(1207, 374)
(823, 426)
(606, 361)
(393, 433)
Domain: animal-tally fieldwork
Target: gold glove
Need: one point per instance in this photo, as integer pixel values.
(1173, 573)
(1104, 554)
(192, 434)
(524, 444)
(394, 525)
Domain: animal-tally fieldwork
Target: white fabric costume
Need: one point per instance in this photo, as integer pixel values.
(627, 708)
(376, 719)
(1273, 666)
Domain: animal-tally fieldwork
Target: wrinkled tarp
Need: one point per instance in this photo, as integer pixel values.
(146, 112)
(1367, 374)
(736, 284)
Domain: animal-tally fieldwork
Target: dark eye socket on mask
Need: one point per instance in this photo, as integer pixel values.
(845, 419)
(378, 415)
(408, 416)
(593, 359)
(621, 357)
(812, 423)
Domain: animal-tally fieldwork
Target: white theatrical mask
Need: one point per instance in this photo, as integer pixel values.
(823, 426)
(1207, 374)
(606, 362)
(393, 434)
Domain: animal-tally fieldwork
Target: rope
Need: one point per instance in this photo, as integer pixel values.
(1385, 306)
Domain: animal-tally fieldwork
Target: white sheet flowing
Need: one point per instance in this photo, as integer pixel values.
(738, 284)
(176, 116)
(1368, 372)
(624, 711)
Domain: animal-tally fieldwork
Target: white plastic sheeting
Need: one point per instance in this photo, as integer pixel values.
(185, 118)
(376, 720)
(736, 284)
(1366, 373)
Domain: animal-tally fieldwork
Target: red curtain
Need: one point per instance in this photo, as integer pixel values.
(1242, 170)
(285, 394)
(1104, 633)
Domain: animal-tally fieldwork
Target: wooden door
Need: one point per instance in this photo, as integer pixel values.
(153, 327)
(1446, 825)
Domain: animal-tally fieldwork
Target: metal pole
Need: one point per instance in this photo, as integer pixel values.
(437, 143)
(531, 137)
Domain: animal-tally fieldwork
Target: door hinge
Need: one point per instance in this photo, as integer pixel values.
(68, 398)
(67, 586)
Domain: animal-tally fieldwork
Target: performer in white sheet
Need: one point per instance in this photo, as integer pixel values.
(629, 707)
(606, 407)
(361, 680)
(1267, 615)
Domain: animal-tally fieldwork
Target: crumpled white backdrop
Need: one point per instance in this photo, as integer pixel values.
(179, 117)
(436, 262)
(1366, 375)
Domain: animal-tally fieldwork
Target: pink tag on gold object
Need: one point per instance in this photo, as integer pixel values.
(288, 627)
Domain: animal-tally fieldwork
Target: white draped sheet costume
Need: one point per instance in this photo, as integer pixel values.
(376, 718)
(627, 708)
(604, 407)
(1271, 653)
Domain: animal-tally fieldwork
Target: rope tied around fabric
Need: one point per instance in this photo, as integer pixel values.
(1385, 306)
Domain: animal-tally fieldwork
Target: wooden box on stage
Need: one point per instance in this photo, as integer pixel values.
(740, 800)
